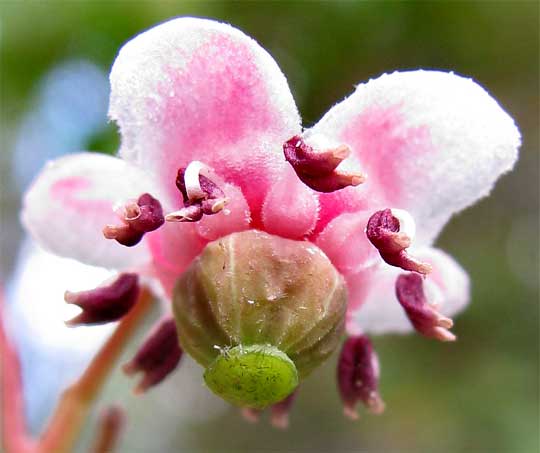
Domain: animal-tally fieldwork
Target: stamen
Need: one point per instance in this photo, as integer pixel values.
(279, 417)
(200, 194)
(424, 316)
(157, 357)
(391, 231)
(192, 180)
(318, 169)
(192, 213)
(358, 376)
(138, 218)
(251, 415)
(105, 303)
(111, 423)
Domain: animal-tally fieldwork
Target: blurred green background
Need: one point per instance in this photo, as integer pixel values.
(480, 394)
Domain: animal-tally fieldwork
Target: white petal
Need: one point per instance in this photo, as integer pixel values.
(375, 309)
(194, 89)
(430, 142)
(72, 199)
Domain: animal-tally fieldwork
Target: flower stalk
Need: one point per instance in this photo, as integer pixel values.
(75, 404)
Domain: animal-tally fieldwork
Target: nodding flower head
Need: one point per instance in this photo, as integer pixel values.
(265, 237)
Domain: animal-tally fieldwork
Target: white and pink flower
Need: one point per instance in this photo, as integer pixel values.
(210, 130)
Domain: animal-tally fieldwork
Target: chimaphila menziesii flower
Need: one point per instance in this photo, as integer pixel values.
(269, 240)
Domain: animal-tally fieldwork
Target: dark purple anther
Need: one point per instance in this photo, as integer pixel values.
(201, 196)
(140, 217)
(157, 357)
(358, 376)
(105, 303)
(383, 231)
(280, 411)
(318, 170)
(424, 316)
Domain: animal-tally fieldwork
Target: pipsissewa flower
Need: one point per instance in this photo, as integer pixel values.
(212, 144)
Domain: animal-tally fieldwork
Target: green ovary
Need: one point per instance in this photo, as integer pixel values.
(259, 313)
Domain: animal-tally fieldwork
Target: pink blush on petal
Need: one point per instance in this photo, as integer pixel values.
(386, 145)
(173, 247)
(350, 199)
(67, 192)
(221, 102)
(291, 208)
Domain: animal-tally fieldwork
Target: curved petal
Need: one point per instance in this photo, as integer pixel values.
(291, 208)
(345, 242)
(195, 89)
(430, 142)
(374, 307)
(235, 217)
(71, 201)
(174, 246)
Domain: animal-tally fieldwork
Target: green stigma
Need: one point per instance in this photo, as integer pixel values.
(252, 376)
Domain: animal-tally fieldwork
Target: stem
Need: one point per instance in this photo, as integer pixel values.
(75, 403)
(14, 434)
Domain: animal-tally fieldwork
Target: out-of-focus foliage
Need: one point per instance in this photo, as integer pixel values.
(480, 394)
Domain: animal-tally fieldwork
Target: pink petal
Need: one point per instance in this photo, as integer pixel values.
(174, 246)
(71, 201)
(195, 89)
(291, 208)
(430, 142)
(373, 306)
(235, 216)
(344, 241)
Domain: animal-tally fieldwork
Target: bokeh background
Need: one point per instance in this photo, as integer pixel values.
(479, 394)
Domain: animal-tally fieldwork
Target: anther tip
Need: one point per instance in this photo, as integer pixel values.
(69, 297)
(341, 152)
(376, 405)
(110, 231)
(424, 268)
(71, 323)
(357, 179)
(250, 415)
(442, 334)
(129, 368)
(279, 421)
(350, 413)
(138, 390)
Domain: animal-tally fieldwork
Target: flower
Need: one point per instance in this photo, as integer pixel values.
(212, 143)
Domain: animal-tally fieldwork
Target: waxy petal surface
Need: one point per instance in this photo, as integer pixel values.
(344, 241)
(374, 308)
(72, 199)
(430, 142)
(291, 208)
(195, 89)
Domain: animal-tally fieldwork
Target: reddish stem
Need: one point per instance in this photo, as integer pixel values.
(75, 403)
(14, 434)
